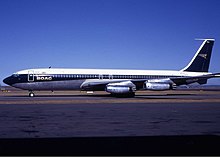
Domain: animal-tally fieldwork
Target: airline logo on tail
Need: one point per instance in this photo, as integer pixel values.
(203, 56)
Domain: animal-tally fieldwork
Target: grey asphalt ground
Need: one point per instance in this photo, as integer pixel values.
(180, 122)
(77, 114)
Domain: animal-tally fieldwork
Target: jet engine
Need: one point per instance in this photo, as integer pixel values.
(157, 86)
(118, 90)
(126, 87)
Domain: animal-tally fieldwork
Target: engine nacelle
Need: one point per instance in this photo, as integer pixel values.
(126, 87)
(118, 90)
(157, 86)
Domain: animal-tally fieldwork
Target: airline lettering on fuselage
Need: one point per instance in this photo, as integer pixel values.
(44, 78)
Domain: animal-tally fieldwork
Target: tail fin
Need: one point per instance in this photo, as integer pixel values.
(200, 62)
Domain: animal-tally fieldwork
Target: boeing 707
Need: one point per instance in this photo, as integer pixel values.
(116, 82)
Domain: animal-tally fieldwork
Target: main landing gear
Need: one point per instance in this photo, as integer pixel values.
(31, 94)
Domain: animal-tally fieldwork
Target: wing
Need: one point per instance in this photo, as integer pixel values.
(94, 86)
(177, 81)
(199, 79)
(139, 83)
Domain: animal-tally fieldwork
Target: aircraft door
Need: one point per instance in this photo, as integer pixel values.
(30, 76)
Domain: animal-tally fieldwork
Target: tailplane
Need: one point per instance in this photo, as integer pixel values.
(200, 62)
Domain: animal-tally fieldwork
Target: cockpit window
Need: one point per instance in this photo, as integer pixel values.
(15, 75)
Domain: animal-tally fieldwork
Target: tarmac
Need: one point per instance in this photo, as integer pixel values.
(85, 120)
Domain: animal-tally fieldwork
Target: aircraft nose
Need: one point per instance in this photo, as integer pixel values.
(8, 80)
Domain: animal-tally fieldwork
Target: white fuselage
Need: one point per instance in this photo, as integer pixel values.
(74, 79)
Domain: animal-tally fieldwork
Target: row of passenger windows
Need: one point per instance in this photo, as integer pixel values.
(107, 76)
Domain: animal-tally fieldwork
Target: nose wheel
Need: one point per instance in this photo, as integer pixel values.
(31, 94)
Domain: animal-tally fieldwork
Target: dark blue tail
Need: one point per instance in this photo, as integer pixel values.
(200, 62)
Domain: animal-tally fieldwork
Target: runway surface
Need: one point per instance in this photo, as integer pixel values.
(75, 114)
(67, 116)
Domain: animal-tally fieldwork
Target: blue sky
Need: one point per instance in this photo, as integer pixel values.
(123, 34)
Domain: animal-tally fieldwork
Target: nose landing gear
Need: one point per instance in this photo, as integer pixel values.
(31, 94)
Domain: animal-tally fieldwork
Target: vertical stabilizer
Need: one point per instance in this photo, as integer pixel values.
(200, 62)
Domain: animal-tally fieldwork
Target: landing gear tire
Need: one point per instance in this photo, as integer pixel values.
(31, 94)
(131, 95)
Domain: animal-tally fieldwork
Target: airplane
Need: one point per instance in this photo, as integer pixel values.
(116, 82)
